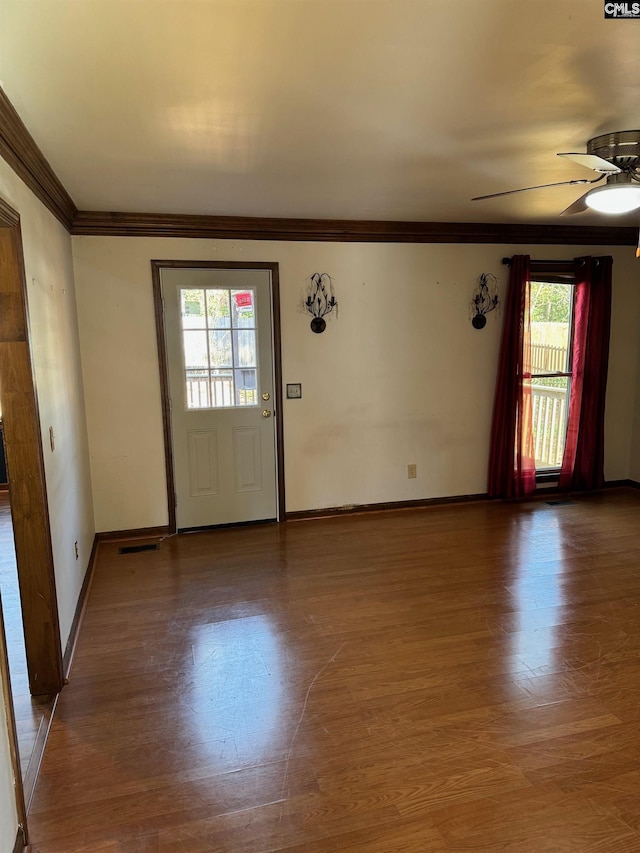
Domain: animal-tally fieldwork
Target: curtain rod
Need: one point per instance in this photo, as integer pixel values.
(560, 264)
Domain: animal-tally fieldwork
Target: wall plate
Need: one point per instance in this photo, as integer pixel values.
(294, 390)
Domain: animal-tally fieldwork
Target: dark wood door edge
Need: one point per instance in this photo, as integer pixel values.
(21, 841)
(25, 468)
(163, 368)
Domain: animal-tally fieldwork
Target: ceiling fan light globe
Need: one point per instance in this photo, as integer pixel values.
(614, 198)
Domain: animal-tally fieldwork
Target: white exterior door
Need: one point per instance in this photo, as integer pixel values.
(219, 342)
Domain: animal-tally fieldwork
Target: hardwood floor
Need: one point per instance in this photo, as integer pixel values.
(451, 679)
(33, 713)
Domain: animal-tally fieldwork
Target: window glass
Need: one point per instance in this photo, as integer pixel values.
(551, 319)
(244, 348)
(220, 347)
(195, 349)
(192, 309)
(242, 302)
(550, 308)
(218, 310)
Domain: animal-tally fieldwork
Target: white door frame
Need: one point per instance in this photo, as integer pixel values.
(156, 268)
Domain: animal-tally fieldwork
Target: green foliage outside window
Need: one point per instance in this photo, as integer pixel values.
(550, 303)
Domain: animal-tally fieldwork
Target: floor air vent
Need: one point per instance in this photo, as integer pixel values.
(135, 549)
(560, 503)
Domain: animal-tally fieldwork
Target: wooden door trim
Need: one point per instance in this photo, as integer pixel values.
(156, 268)
(25, 468)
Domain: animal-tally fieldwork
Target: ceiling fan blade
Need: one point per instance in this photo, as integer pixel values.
(539, 187)
(578, 206)
(592, 161)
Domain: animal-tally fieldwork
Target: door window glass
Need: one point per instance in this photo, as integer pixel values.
(219, 347)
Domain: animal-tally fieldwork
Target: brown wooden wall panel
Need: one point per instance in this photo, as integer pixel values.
(11, 317)
(26, 476)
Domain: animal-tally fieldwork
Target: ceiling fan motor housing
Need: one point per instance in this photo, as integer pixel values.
(621, 147)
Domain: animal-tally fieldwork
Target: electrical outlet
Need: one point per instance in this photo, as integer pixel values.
(412, 472)
(76, 547)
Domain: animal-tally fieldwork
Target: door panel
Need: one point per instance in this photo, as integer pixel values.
(219, 345)
(247, 459)
(203, 462)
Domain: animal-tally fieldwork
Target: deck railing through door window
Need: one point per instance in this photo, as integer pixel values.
(207, 393)
(549, 425)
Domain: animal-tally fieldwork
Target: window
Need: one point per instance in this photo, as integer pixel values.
(570, 444)
(219, 347)
(551, 318)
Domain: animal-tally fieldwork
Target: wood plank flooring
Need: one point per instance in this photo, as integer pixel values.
(452, 679)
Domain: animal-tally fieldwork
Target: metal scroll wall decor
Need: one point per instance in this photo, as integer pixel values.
(484, 300)
(320, 300)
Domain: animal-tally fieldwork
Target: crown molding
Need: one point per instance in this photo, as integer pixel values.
(95, 223)
(19, 149)
(9, 218)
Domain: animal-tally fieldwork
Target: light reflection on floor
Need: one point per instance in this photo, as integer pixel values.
(237, 692)
(538, 584)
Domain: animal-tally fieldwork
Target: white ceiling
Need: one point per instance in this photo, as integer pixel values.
(356, 109)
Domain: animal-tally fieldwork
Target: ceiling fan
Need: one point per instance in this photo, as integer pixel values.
(616, 156)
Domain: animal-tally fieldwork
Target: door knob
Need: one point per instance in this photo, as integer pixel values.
(266, 413)
(266, 396)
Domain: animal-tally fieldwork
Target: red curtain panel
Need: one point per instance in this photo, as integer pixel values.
(512, 471)
(583, 460)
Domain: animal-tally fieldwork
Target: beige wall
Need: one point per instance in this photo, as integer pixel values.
(623, 393)
(400, 377)
(56, 356)
(634, 467)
